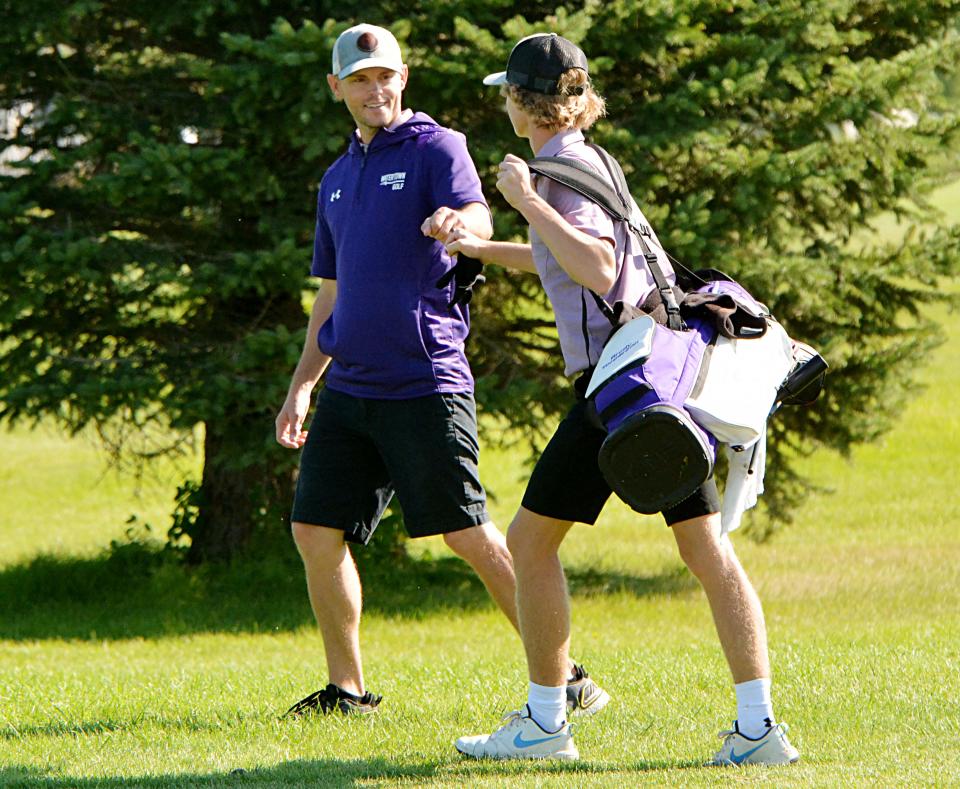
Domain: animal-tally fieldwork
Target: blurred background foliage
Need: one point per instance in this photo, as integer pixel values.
(158, 173)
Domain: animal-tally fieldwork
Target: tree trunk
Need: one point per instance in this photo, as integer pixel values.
(231, 495)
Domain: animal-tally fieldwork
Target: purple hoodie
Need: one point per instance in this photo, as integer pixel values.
(392, 334)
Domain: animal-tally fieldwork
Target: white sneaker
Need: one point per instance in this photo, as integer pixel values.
(521, 737)
(772, 748)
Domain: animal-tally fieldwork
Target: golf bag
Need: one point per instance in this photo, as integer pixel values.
(696, 365)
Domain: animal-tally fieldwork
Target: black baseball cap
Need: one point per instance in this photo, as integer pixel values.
(537, 62)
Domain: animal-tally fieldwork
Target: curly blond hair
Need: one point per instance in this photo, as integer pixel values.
(575, 106)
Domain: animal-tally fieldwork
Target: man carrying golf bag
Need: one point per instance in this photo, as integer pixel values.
(577, 251)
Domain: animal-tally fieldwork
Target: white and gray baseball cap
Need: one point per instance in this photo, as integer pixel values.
(365, 46)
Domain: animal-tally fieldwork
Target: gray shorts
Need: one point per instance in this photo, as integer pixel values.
(360, 451)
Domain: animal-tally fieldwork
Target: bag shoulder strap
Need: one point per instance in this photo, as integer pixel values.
(686, 279)
(582, 178)
(614, 198)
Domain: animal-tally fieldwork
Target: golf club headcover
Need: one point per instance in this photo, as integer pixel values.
(466, 276)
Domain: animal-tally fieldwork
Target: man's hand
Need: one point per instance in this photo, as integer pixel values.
(462, 240)
(513, 180)
(289, 422)
(441, 223)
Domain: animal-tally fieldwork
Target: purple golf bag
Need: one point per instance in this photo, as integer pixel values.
(650, 390)
(654, 455)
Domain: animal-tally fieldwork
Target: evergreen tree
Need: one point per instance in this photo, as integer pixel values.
(729, 118)
(160, 172)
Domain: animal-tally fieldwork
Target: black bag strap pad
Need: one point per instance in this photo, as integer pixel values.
(584, 179)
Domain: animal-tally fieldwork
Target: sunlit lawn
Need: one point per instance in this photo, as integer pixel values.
(112, 673)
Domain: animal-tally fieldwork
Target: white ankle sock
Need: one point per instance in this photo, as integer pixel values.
(548, 706)
(754, 708)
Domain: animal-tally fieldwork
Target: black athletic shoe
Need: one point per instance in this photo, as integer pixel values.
(584, 696)
(335, 699)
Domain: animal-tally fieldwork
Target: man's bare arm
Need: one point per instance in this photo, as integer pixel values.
(289, 422)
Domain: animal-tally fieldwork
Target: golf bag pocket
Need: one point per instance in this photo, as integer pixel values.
(731, 308)
(654, 455)
(738, 383)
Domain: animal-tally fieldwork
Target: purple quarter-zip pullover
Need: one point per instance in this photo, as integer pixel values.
(392, 334)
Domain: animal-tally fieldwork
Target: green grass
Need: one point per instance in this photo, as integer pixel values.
(887, 228)
(126, 670)
(111, 674)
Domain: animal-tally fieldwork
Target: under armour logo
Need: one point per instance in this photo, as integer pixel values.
(335, 196)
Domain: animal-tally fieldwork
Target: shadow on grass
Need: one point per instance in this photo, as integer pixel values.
(60, 728)
(362, 772)
(135, 592)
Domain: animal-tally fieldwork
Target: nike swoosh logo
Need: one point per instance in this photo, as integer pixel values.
(522, 743)
(737, 758)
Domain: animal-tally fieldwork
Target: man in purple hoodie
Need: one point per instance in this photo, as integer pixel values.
(396, 414)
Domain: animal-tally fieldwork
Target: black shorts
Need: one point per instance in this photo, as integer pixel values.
(567, 483)
(360, 451)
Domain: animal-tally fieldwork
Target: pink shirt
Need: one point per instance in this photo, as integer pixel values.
(582, 327)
